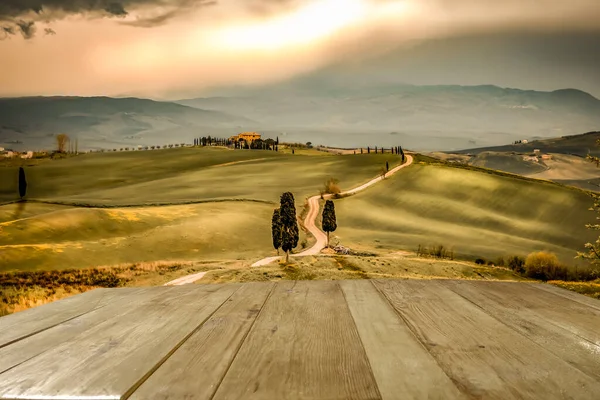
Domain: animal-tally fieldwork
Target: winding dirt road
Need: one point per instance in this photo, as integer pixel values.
(311, 217)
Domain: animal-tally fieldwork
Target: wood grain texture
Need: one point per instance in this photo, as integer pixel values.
(484, 358)
(402, 367)
(576, 297)
(570, 315)
(505, 303)
(303, 345)
(117, 354)
(16, 326)
(196, 369)
(27, 348)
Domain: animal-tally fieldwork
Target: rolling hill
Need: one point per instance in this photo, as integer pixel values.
(30, 123)
(419, 117)
(215, 204)
(580, 145)
(477, 213)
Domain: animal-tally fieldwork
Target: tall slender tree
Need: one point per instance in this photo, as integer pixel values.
(276, 229)
(289, 225)
(22, 183)
(329, 222)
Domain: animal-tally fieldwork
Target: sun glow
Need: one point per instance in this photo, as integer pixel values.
(303, 26)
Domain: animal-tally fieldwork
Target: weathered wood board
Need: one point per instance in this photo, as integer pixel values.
(483, 357)
(359, 339)
(304, 345)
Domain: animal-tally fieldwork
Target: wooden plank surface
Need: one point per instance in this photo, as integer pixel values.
(402, 367)
(579, 298)
(505, 302)
(196, 369)
(19, 325)
(27, 348)
(303, 345)
(572, 316)
(483, 357)
(117, 354)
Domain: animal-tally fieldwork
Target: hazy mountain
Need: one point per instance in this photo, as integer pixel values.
(32, 122)
(326, 109)
(578, 145)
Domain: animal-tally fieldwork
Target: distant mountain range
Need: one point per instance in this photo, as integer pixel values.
(104, 122)
(323, 111)
(420, 117)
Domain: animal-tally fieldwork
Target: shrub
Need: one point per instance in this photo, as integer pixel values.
(500, 262)
(331, 186)
(436, 251)
(480, 261)
(545, 266)
(516, 263)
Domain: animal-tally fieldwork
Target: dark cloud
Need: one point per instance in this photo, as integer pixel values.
(157, 20)
(49, 31)
(21, 15)
(27, 28)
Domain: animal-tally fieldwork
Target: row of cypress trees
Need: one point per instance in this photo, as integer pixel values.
(284, 225)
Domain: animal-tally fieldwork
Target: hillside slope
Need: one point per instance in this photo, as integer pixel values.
(477, 214)
(105, 122)
(580, 145)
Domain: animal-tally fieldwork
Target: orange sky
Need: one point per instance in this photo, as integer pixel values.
(228, 43)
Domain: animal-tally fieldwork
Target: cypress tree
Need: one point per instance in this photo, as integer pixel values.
(276, 230)
(289, 225)
(329, 223)
(387, 166)
(22, 183)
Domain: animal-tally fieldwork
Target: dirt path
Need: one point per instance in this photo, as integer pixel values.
(311, 217)
(184, 280)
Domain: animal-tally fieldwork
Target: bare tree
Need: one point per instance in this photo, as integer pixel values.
(61, 142)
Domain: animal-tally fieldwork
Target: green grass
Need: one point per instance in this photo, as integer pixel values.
(477, 213)
(233, 195)
(88, 237)
(187, 175)
(511, 163)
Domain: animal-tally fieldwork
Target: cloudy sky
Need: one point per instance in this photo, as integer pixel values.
(171, 48)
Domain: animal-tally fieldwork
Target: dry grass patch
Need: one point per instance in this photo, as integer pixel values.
(358, 267)
(22, 290)
(591, 289)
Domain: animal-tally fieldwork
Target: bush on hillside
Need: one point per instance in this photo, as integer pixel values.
(480, 261)
(516, 263)
(436, 251)
(545, 266)
(500, 262)
(331, 186)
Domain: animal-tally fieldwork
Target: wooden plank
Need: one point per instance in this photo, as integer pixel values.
(27, 348)
(402, 367)
(482, 356)
(303, 345)
(579, 298)
(198, 366)
(572, 316)
(116, 355)
(22, 324)
(504, 302)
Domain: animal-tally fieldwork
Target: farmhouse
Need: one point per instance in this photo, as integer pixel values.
(248, 137)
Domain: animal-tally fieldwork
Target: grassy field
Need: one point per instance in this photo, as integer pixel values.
(234, 193)
(395, 266)
(512, 163)
(477, 213)
(187, 175)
